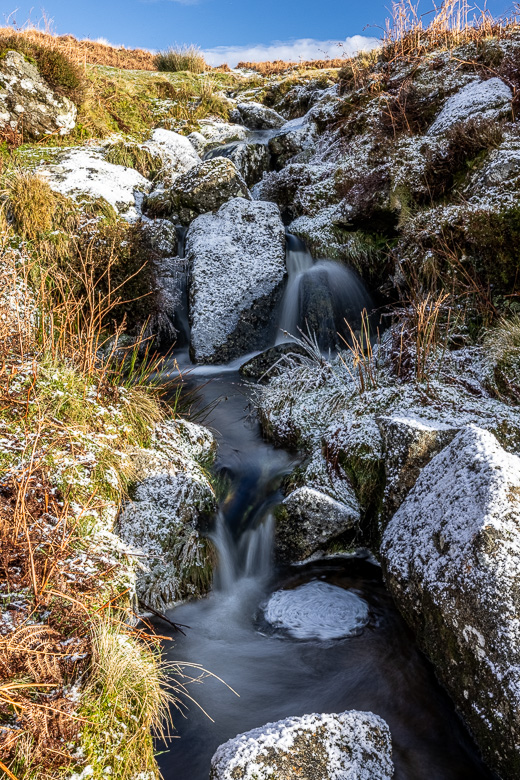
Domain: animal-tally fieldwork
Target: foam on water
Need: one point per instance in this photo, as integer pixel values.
(317, 610)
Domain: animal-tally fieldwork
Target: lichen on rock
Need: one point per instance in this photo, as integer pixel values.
(353, 745)
(451, 556)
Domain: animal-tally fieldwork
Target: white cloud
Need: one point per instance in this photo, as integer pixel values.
(292, 51)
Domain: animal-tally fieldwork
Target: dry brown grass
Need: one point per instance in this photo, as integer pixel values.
(81, 52)
(409, 34)
(282, 66)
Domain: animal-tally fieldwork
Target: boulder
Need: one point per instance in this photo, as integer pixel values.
(27, 103)
(168, 272)
(252, 160)
(486, 99)
(237, 261)
(213, 134)
(84, 174)
(451, 558)
(318, 513)
(353, 745)
(172, 503)
(258, 367)
(309, 520)
(206, 188)
(294, 137)
(409, 443)
(256, 116)
(177, 153)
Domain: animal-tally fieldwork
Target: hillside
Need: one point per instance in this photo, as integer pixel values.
(144, 211)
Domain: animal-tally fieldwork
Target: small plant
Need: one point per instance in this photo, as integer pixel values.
(364, 365)
(134, 156)
(181, 58)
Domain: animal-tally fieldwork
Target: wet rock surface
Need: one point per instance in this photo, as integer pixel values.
(354, 745)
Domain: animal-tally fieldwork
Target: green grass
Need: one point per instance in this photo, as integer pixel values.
(54, 67)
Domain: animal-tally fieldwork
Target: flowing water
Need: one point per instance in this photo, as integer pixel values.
(323, 636)
(319, 297)
(315, 651)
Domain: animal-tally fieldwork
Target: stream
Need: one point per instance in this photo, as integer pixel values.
(334, 640)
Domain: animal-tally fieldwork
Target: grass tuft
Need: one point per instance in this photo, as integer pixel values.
(181, 58)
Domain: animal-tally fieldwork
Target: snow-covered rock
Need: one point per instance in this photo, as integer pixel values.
(28, 104)
(451, 556)
(213, 134)
(84, 174)
(483, 99)
(256, 116)
(251, 159)
(409, 443)
(206, 188)
(294, 137)
(172, 502)
(176, 151)
(310, 520)
(349, 746)
(237, 261)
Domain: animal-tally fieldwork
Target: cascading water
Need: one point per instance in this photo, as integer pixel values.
(181, 315)
(320, 637)
(319, 297)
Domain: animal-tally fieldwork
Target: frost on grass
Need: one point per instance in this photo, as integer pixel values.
(451, 555)
(349, 746)
(237, 259)
(172, 499)
(84, 174)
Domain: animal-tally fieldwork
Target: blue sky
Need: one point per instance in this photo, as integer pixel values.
(306, 27)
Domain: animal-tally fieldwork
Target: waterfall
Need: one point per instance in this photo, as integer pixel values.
(182, 322)
(319, 297)
(248, 558)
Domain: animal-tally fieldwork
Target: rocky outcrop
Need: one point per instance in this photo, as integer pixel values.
(354, 745)
(256, 116)
(85, 175)
(237, 259)
(28, 105)
(451, 556)
(294, 137)
(252, 159)
(172, 503)
(206, 188)
(486, 99)
(409, 443)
